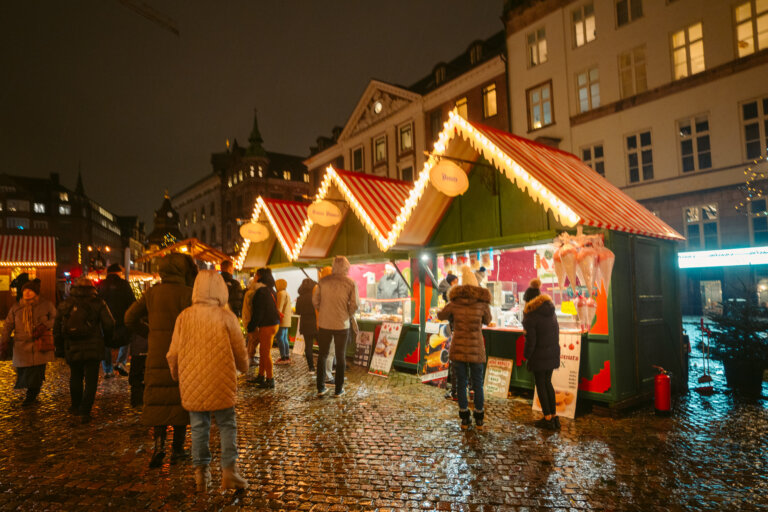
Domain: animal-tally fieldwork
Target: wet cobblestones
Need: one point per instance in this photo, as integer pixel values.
(388, 444)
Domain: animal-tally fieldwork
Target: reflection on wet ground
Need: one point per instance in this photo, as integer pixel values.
(390, 444)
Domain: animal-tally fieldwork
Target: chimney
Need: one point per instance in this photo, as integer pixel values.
(55, 178)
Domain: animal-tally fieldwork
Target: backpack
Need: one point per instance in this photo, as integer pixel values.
(80, 322)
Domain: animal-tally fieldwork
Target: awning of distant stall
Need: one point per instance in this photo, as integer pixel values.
(290, 226)
(30, 251)
(192, 246)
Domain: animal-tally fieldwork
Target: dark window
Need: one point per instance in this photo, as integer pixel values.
(435, 124)
(407, 174)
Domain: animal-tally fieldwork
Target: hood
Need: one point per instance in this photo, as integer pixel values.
(281, 284)
(307, 286)
(543, 302)
(210, 289)
(340, 266)
(174, 268)
(83, 292)
(468, 294)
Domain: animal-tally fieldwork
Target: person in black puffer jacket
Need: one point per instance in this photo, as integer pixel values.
(83, 353)
(542, 349)
(265, 318)
(307, 319)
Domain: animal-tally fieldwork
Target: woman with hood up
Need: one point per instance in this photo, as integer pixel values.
(207, 350)
(159, 307)
(252, 338)
(266, 319)
(307, 319)
(468, 309)
(284, 310)
(542, 349)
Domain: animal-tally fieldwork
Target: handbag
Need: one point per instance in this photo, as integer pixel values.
(43, 338)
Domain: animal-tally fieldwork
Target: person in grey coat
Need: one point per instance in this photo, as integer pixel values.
(336, 300)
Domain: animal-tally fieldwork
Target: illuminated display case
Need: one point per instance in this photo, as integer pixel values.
(385, 310)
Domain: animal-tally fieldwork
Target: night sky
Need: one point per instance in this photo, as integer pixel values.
(93, 83)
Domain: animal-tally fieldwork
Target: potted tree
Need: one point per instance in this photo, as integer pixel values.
(741, 342)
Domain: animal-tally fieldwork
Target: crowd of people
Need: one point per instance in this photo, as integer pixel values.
(187, 345)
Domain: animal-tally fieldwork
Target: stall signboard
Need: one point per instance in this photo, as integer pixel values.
(386, 345)
(433, 364)
(498, 372)
(324, 213)
(449, 178)
(565, 379)
(254, 231)
(363, 351)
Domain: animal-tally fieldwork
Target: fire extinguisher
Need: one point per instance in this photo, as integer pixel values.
(662, 385)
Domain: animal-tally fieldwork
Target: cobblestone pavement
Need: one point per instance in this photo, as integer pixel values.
(388, 444)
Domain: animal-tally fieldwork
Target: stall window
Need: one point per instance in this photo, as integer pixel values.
(406, 138)
(639, 156)
(628, 10)
(489, 101)
(537, 47)
(17, 223)
(754, 117)
(758, 219)
(461, 107)
(380, 150)
(65, 209)
(540, 106)
(594, 157)
(357, 159)
(583, 24)
(694, 143)
(632, 75)
(751, 20)
(701, 229)
(688, 51)
(588, 89)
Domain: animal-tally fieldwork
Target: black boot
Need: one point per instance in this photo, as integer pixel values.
(267, 384)
(137, 396)
(465, 421)
(178, 453)
(31, 396)
(479, 415)
(158, 453)
(259, 380)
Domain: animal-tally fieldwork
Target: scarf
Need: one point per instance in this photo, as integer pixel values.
(27, 314)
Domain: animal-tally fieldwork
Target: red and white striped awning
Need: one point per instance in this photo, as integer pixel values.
(287, 218)
(15, 249)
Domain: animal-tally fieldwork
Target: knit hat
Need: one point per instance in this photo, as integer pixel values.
(33, 285)
(114, 268)
(533, 290)
(467, 276)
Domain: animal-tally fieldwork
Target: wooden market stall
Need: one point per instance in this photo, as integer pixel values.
(34, 255)
(192, 246)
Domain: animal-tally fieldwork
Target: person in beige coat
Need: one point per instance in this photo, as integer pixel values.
(207, 349)
(285, 311)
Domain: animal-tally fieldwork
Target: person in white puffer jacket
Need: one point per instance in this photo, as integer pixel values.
(207, 350)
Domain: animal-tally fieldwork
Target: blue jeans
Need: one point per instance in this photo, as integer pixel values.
(122, 354)
(476, 373)
(201, 430)
(282, 343)
(122, 358)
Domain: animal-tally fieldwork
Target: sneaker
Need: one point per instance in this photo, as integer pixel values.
(339, 393)
(121, 370)
(322, 392)
(311, 371)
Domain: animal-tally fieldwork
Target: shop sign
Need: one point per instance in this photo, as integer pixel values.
(363, 351)
(254, 231)
(723, 258)
(433, 365)
(449, 178)
(386, 345)
(324, 213)
(565, 379)
(498, 373)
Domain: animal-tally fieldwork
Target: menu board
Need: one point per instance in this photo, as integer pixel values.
(565, 379)
(386, 345)
(434, 362)
(498, 372)
(363, 349)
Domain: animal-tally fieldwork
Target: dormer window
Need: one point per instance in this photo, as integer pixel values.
(286, 175)
(476, 53)
(440, 74)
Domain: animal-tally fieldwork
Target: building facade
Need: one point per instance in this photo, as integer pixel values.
(213, 208)
(392, 126)
(668, 100)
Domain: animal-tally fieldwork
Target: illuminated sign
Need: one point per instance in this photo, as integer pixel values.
(324, 213)
(449, 178)
(723, 258)
(254, 231)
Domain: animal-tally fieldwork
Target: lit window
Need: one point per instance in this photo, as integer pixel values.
(65, 209)
(489, 101)
(639, 156)
(18, 205)
(240, 176)
(584, 24)
(758, 213)
(63, 196)
(701, 226)
(754, 117)
(186, 221)
(751, 26)
(306, 177)
(588, 89)
(202, 213)
(540, 106)
(251, 171)
(1, 206)
(632, 76)
(461, 107)
(194, 217)
(406, 138)
(694, 143)
(380, 150)
(38, 207)
(439, 75)
(476, 53)
(286, 175)
(628, 10)
(593, 156)
(537, 47)
(261, 172)
(688, 51)
(229, 182)
(357, 159)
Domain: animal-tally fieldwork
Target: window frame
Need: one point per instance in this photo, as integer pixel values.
(633, 67)
(375, 147)
(630, 18)
(762, 127)
(462, 104)
(694, 138)
(65, 209)
(528, 92)
(686, 47)
(753, 17)
(639, 151)
(584, 29)
(400, 130)
(752, 216)
(589, 84)
(486, 93)
(536, 46)
(360, 148)
(701, 222)
(594, 160)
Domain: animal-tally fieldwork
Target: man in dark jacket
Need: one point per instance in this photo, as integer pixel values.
(83, 348)
(233, 285)
(391, 286)
(307, 319)
(118, 295)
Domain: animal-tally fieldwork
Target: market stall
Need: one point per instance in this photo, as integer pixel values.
(192, 246)
(33, 255)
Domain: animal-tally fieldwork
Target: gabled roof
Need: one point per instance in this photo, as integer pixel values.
(374, 88)
(289, 222)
